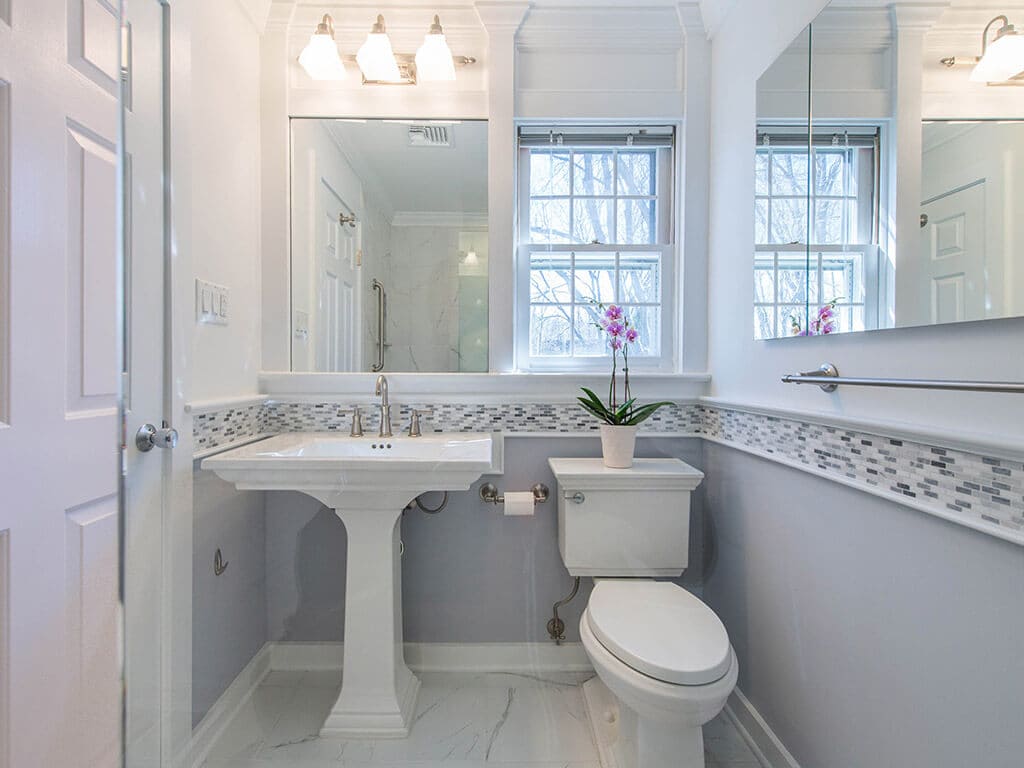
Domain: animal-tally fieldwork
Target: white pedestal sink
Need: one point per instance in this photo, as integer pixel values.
(367, 481)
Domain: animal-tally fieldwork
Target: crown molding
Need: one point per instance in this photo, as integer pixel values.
(453, 219)
(916, 17)
(691, 20)
(499, 16)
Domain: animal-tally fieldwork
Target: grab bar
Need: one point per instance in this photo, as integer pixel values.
(827, 377)
(378, 286)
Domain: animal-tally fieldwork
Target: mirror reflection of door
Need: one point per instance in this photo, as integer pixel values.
(337, 342)
(952, 258)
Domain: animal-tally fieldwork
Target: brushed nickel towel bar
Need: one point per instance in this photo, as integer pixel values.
(827, 377)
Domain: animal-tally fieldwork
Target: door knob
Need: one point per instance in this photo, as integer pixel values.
(149, 437)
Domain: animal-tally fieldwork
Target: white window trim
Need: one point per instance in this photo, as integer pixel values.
(669, 299)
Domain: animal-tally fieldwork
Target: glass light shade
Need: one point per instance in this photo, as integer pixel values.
(434, 59)
(1003, 59)
(376, 59)
(320, 58)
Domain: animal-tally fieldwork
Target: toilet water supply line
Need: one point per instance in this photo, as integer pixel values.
(556, 627)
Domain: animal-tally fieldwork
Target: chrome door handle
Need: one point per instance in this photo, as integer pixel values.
(149, 437)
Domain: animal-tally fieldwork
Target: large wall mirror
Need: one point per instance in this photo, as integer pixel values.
(388, 245)
(889, 191)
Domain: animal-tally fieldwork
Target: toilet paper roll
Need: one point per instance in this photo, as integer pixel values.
(519, 503)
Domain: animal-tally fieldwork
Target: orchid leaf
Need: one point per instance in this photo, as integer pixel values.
(594, 398)
(601, 413)
(644, 412)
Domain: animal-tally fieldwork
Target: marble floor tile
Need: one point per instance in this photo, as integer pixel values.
(462, 720)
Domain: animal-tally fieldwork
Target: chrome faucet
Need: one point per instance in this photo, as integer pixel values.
(381, 391)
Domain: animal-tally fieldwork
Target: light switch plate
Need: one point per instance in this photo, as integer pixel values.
(211, 303)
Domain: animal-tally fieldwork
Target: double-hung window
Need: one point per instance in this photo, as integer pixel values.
(816, 230)
(595, 227)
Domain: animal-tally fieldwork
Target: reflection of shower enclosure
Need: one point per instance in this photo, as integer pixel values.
(378, 287)
(471, 302)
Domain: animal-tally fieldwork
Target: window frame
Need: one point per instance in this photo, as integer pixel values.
(667, 224)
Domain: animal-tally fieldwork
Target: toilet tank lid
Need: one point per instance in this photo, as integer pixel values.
(647, 474)
(660, 630)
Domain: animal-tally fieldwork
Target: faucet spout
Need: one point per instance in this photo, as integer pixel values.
(381, 391)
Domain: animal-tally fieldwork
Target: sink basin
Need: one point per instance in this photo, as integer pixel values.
(322, 463)
(367, 481)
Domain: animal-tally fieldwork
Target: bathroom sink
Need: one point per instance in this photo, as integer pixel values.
(367, 481)
(324, 464)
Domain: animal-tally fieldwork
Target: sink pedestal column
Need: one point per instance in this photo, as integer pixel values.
(378, 691)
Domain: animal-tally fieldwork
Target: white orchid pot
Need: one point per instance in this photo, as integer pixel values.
(618, 444)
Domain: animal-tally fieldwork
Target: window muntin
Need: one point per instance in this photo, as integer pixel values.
(595, 227)
(793, 278)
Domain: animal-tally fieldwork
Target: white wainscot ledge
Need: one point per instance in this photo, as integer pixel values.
(479, 387)
(198, 407)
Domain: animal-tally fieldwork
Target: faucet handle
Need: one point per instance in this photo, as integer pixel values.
(357, 421)
(414, 422)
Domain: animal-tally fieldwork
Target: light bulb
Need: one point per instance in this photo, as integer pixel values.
(375, 57)
(320, 57)
(434, 57)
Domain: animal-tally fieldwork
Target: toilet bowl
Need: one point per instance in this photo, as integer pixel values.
(663, 659)
(664, 668)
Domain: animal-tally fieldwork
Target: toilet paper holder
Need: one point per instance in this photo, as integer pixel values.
(489, 492)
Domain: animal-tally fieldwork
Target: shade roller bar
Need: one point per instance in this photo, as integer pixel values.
(822, 137)
(605, 136)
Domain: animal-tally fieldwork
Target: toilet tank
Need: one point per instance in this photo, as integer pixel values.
(624, 522)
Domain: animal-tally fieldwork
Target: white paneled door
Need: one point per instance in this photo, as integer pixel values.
(954, 269)
(338, 302)
(60, 699)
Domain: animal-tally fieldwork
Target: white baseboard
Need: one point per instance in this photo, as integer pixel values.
(445, 657)
(217, 718)
(766, 746)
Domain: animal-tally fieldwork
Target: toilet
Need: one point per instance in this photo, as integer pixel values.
(663, 659)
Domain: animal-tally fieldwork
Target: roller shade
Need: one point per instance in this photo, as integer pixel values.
(596, 136)
(824, 136)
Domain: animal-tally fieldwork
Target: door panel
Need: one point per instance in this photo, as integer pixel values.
(337, 334)
(59, 453)
(954, 280)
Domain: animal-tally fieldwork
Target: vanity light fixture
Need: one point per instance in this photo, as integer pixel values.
(434, 60)
(1001, 59)
(320, 57)
(375, 57)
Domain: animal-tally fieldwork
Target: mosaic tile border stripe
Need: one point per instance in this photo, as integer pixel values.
(228, 425)
(511, 418)
(970, 487)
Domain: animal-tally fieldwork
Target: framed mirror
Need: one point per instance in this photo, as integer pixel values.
(904, 206)
(388, 245)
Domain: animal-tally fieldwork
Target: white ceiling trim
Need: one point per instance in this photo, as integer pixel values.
(452, 219)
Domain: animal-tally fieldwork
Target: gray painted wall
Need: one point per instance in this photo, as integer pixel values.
(868, 634)
(228, 611)
(469, 574)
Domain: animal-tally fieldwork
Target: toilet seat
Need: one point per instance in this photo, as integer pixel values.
(660, 630)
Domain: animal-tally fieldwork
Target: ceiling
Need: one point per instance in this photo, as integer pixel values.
(418, 179)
